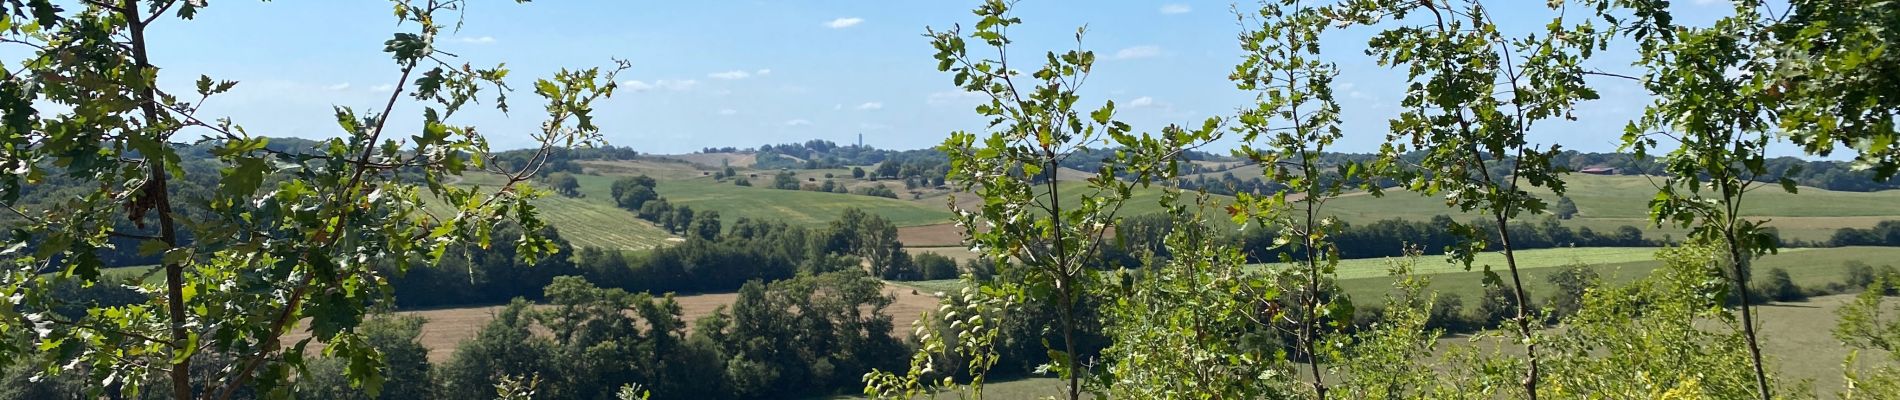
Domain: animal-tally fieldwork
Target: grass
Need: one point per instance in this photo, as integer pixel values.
(591, 220)
(802, 208)
(1607, 202)
(1538, 258)
(1808, 268)
(1794, 337)
(1141, 200)
(1367, 279)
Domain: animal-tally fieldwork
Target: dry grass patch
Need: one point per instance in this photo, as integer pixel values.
(448, 327)
(938, 235)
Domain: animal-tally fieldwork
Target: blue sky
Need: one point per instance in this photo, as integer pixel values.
(745, 73)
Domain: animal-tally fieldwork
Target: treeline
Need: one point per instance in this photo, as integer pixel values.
(1885, 233)
(823, 154)
(809, 335)
(1383, 238)
(1824, 174)
(470, 275)
(710, 260)
(803, 336)
(561, 159)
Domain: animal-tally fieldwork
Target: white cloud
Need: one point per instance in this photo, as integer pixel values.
(797, 122)
(871, 106)
(730, 75)
(1144, 51)
(836, 107)
(1176, 9)
(677, 85)
(1351, 90)
(845, 22)
(762, 72)
(728, 111)
(1141, 102)
(954, 97)
(477, 39)
(339, 86)
(383, 87)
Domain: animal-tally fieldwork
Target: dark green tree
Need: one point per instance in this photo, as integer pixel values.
(636, 197)
(1565, 208)
(564, 184)
(705, 225)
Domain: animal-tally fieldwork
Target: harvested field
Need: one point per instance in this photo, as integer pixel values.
(960, 254)
(716, 160)
(938, 235)
(448, 327)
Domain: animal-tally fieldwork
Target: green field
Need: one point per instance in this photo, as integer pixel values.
(590, 221)
(1796, 336)
(1367, 279)
(1537, 258)
(796, 207)
(1607, 202)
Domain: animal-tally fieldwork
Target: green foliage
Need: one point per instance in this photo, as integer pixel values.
(785, 180)
(874, 239)
(286, 234)
(405, 368)
(1833, 79)
(1190, 325)
(1712, 102)
(1473, 96)
(1034, 124)
(705, 225)
(1385, 357)
(565, 184)
(467, 274)
(1570, 286)
(878, 190)
(1565, 208)
(805, 335)
(1298, 120)
(933, 266)
(1868, 324)
(1643, 340)
(1777, 285)
(633, 193)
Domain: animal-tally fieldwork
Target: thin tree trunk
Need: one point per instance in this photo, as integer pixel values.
(1064, 280)
(1523, 308)
(1312, 299)
(1740, 263)
(158, 192)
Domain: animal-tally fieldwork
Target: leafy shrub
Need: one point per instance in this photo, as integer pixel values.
(1777, 285)
(934, 266)
(1569, 286)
